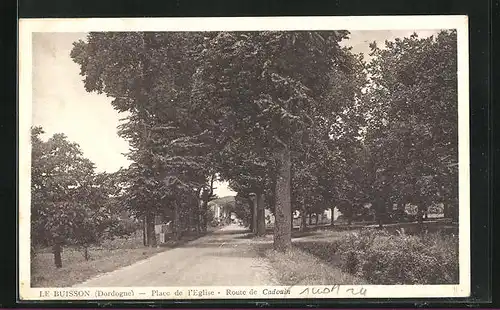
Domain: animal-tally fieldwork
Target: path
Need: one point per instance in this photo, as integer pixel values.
(224, 257)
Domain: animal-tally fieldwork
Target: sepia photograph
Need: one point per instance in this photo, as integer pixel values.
(185, 158)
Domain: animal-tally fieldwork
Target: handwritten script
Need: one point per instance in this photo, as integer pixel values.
(333, 290)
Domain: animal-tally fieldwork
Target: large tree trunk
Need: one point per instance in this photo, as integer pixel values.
(176, 223)
(86, 254)
(202, 220)
(151, 229)
(56, 250)
(348, 211)
(316, 218)
(332, 222)
(261, 215)
(148, 229)
(454, 210)
(154, 242)
(380, 213)
(446, 210)
(206, 196)
(192, 214)
(420, 212)
(144, 231)
(420, 216)
(182, 217)
(303, 222)
(251, 219)
(282, 227)
(196, 220)
(253, 202)
(197, 212)
(303, 216)
(400, 211)
(204, 217)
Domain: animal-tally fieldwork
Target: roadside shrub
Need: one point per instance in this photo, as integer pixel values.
(353, 247)
(381, 258)
(123, 228)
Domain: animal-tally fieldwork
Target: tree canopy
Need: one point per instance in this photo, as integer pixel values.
(412, 104)
(294, 117)
(71, 204)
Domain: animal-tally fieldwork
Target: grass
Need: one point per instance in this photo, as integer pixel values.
(315, 258)
(318, 256)
(311, 261)
(382, 257)
(76, 269)
(109, 256)
(297, 267)
(433, 224)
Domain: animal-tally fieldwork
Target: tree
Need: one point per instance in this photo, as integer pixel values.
(269, 89)
(100, 217)
(412, 133)
(242, 209)
(149, 76)
(274, 91)
(206, 195)
(249, 173)
(69, 203)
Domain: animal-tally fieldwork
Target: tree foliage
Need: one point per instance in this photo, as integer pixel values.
(70, 203)
(273, 91)
(412, 136)
(291, 116)
(148, 75)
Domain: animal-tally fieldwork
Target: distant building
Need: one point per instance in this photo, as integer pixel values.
(326, 216)
(269, 217)
(163, 227)
(218, 211)
(336, 214)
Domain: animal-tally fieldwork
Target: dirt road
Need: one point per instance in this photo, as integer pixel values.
(225, 257)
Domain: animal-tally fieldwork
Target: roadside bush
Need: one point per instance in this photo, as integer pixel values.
(353, 247)
(381, 258)
(123, 228)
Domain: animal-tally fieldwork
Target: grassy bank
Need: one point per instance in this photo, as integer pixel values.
(367, 256)
(76, 269)
(298, 267)
(111, 255)
(384, 258)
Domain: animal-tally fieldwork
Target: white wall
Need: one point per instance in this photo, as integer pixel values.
(336, 214)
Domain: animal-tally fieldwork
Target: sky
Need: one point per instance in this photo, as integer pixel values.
(61, 104)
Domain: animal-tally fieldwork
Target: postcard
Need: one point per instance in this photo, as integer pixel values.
(244, 158)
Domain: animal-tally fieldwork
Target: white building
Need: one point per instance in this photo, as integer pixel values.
(217, 210)
(327, 215)
(336, 214)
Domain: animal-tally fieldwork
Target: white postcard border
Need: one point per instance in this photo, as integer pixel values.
(28, 26)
